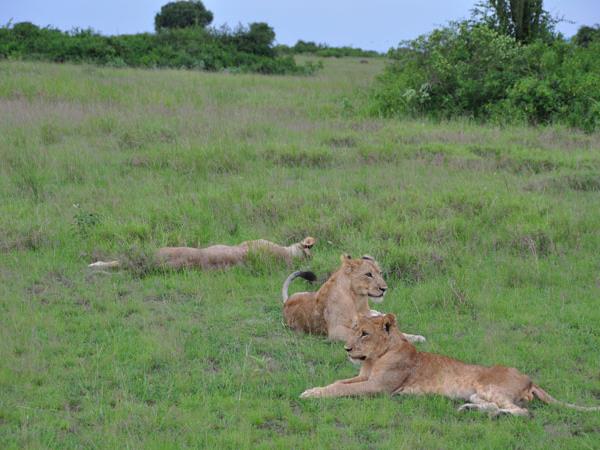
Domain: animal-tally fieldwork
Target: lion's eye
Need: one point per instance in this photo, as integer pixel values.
(369, 274)
(364, 333)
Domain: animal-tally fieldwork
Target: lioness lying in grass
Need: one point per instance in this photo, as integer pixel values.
(221, 256)
(393, 365)
(342, 298)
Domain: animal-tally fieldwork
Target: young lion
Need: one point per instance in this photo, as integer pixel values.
(392, 364)
(221, 256)
(342, 298)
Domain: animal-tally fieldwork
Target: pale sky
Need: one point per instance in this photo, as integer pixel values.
(373, 24)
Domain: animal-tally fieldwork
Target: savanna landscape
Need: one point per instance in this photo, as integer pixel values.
(487, 235)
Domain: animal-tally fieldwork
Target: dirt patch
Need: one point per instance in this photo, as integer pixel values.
(73, 406)
(212, 366)
(277, 425)
(341, 142)
(502, 161)
(584, 182)
(366, 125)
(414, 269)
(300, 158)
(557, 430)
(27, 240)
(383, 155)
(537, 244)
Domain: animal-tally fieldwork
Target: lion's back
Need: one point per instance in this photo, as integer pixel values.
(301, 313)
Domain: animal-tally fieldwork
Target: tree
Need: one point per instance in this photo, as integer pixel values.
(257, 38)
(26, 30)
(182, 14)
(586, 35)
(525, 20)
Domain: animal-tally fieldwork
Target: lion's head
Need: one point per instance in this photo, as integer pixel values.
(306, 244)
(365, 277)
(370, 337)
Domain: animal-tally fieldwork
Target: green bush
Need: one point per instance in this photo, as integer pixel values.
(586, 35)
(470, 70)
(324, 50)
(245, 50)
(257, 39)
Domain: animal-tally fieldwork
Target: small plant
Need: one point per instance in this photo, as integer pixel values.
(84, 220)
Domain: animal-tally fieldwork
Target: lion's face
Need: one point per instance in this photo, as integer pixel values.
(306, 244)
(365, 277)
(370, 337)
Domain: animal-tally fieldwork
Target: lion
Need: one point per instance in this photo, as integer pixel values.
(390, 363)
(221, 256)
(341, 299)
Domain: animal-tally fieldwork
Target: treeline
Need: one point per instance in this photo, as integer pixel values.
(324, 50)
(182, 40)
(495, 68)
(193, 48)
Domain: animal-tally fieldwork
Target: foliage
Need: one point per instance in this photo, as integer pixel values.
(471, 70)
(524, 20)
(245, 50)
(257, 38)
(324, 50)
(182, 14)
(586, 35)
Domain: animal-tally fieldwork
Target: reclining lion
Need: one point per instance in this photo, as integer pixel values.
(342, 298)
(392, 364)
(221, 256)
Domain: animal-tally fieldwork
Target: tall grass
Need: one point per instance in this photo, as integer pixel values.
(488, 238)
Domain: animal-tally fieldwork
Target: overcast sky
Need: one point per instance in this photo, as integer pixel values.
(371, 24)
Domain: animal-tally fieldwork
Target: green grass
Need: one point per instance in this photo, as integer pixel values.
(488, 238)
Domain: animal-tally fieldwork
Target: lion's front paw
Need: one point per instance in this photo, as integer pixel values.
(374, 313)
(417, 338)
(314, 392)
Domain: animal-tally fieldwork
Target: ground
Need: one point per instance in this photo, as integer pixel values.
(488, 238)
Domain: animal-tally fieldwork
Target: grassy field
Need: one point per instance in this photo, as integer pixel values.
(489, 239)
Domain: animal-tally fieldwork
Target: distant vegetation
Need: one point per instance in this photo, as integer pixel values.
(587, 35)
(181, 41)
(324, 50)
(499, 67)
(182, 14)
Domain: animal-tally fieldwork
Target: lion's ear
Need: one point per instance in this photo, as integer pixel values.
(389, 320)
(368, 258)
(345, 257)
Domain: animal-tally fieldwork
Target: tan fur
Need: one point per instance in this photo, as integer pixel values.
(344, 297)
(222, 256)
(392, 364)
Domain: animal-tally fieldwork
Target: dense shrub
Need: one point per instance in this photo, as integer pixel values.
(586, 35)
(257, 38)
(245, 50)
(324, 50)
(471, 70)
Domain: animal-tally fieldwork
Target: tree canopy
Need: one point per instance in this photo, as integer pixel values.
(524, 20)
(182, 14)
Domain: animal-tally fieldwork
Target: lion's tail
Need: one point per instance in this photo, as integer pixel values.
(104, 265)
(545, 397)
(309, 276)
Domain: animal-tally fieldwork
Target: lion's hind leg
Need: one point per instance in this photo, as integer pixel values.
(501, 405)
(495, 404)
(476, 402)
